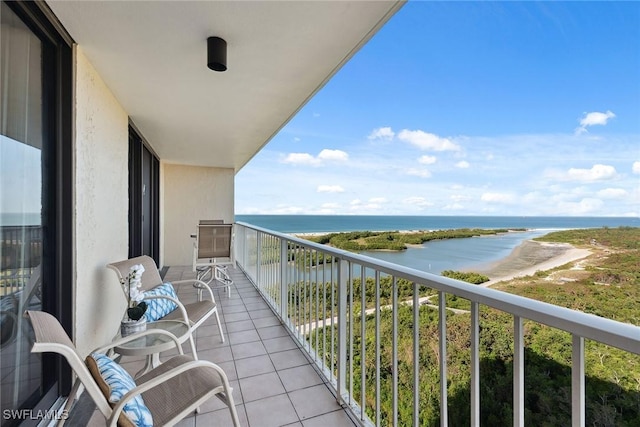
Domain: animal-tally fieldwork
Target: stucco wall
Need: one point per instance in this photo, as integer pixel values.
(189, 194)
(101, 207)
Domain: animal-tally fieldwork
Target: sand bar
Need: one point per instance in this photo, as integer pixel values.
(531, 256)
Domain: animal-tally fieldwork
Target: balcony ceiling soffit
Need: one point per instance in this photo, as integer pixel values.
(152, 56)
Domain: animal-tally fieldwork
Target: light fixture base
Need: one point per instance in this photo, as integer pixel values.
(216, 54)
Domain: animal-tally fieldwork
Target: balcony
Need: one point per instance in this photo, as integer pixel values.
(274, 381)
(294, 351)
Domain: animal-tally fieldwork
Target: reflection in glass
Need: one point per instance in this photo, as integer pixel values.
(21, 141)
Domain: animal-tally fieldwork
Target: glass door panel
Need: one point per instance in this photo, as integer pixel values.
(21, 183)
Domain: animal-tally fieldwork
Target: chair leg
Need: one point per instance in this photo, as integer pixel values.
(228, 391)
(234, 415)
(77, 385)
(219, 325)
(193, 345)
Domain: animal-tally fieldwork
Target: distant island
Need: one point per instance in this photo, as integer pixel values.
(357, 241)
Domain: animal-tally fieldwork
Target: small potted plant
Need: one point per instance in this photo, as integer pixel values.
(134, 320)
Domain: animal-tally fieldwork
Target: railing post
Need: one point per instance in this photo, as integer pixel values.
(518, 372)
(284, 291)
(475, 364)
(240, 245)
(442, 341)
(394, 349)
(577, 382)
(416, 354)
(343, 278)
(259, 261)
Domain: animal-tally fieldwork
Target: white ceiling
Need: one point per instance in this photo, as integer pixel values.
(152, 55)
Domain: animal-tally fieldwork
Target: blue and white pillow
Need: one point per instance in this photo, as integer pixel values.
(120, 383)
(157, 308)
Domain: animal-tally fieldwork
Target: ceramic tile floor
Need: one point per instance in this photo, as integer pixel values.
(274, 383)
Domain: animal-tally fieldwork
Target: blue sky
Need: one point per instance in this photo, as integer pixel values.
(468, 108)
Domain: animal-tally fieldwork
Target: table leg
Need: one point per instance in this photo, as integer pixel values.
(148, 365)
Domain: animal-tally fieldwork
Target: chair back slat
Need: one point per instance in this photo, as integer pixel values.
(151, 276)
(47, 329)
(52, 338)
(211, 221)
(214, 241)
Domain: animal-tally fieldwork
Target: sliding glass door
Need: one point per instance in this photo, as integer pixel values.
(144, 198)
(34, 212)
(21, 144)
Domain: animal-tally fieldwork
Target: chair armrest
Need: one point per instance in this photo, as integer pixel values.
(137, 335)
(147, 385)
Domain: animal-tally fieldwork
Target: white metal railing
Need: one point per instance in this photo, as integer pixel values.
(318, 292)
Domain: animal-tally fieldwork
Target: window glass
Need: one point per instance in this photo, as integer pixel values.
(21, 183)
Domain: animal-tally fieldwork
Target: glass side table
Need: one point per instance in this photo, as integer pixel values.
(157, 338)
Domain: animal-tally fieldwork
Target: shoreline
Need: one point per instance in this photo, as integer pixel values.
(323, 233)
(528, 258)
(525, 259)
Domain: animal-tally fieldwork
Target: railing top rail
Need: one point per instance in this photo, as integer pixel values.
(611, 332)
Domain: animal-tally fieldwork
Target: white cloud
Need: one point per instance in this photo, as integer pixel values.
(330, 189)
(453, 207)
(612, 193)
(300, 159)
(324, 156)
(427, 141)
(417, 201)
(584, 206)
(596, 173)
(377, 200)
(337, 155)
(422, 173)
(592, 119)
(288, 210)
(330, 206)
(384, 133)
(427, 160)
(497, 197)
(459, 197)
(296, 139)
(373, 204)
(558, 178)
(463, 164)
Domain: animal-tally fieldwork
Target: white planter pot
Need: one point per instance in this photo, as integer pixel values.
(128, 327)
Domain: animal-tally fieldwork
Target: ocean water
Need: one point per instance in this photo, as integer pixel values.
(436, 256)
(331, 223)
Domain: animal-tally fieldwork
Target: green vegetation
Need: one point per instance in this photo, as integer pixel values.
(620, 238)
(474, 278)
(608, 285)
(394, 240)
(305, 295)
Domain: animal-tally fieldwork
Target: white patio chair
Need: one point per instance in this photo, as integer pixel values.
(163, 396)
(194, 314)
(213, 244)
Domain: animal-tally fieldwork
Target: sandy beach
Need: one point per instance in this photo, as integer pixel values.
(525, 260)
(529, 257)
